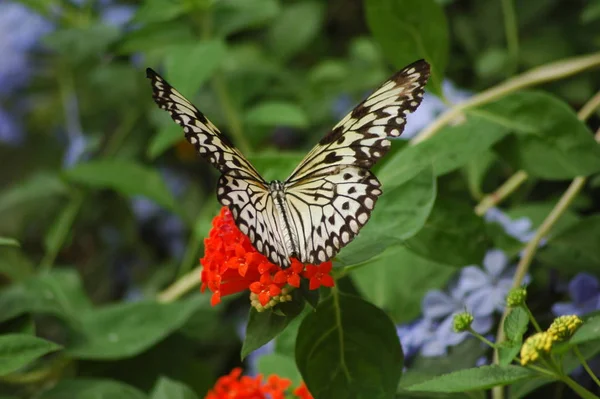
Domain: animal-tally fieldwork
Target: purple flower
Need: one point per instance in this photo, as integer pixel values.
(118, 15)
(431, 107)
(20, 31)
(519, 228)
(11, 131)
(419, 336)
(486, 288)
(584, 290)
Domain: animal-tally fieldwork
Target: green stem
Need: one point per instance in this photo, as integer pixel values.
(581, 391)
(181, 286)
(511, 32)
(122, 131)
(532, 319)
(585, 365)
(56, 237)
(231, 114)
(509, 186)
(545, 73)
(482, 338)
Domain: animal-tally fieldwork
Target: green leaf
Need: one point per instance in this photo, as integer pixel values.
(408, 30)
(58, 293)
(18, 350)
(295, 27)
(79, 43)
(15, 265)
(516, 324)
(91, 388)
(189, 65)
(484, 377)
(452, 235)
(262, 327)
(234, 16)
(126, 329)
(274, 165)
(575, 248)
(451, 148)
(280, 365)
(38, 187)
(167, 388)
(9, 242)
(538, 211)
(549, 140)
(349, 348)
(165, 138)
(62, 226)
(151, 11)
(273, 114)
(589, 331)
(399, 214)
(156, 36)
(385, 280)
(126, 177)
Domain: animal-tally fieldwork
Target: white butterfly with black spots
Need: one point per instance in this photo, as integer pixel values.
(329, 197)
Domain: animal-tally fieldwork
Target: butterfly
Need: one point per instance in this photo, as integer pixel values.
(329, 197)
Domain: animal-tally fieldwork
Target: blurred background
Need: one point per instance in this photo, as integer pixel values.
(95, 178)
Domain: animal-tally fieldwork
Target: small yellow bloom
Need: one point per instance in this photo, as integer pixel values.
(534, 346)
(563, 327)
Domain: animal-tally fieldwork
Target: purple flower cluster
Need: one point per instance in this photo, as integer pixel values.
(584, 291)
(20, 31)
(480, 291)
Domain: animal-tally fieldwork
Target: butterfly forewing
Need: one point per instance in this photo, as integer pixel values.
(332, 192)
(330, 195)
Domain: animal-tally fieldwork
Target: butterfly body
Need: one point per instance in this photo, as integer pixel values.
(329, 197)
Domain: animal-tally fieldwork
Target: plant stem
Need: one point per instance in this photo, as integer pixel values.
(509, 186)
(511, 32)
(581, 391)
(482, 338)
(585, 365)
(532, 319)
(181, 286)
(545, 73)
(521, 176)
(231, 114)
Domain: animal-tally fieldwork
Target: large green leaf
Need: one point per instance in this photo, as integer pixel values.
(18, 350)
(237, 15)
(411, 29)
(126, 177)
(90, 388)
(38, 187)
(58, 293)
(453, 147)
(280, 365)
(273, 114)
(575, 248)
(483, 377)
(348, 348)
(397, 280)
(452, 234)
(126, 329)
(399, 214)
(167, 388)
(295, 27)
(190, 64)
(589, 331)
(549, 140)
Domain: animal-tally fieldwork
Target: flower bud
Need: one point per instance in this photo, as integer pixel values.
(516, 297)
(564, 327)
(462, 321)
(536, 345)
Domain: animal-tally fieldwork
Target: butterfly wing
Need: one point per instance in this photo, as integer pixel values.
(240, 187)
(332, 192)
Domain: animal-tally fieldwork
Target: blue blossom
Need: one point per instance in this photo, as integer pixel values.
(519, 228)
(486, 288)
(11, 131)
(419, 336)
(20, 31)
(117, 15)
(431, 107)
(584, 290)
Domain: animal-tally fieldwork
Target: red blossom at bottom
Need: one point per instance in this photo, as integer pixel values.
(236, 386)
(231, 264)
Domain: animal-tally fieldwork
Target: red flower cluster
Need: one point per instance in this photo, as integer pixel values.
(232, 264)
(236, 386)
